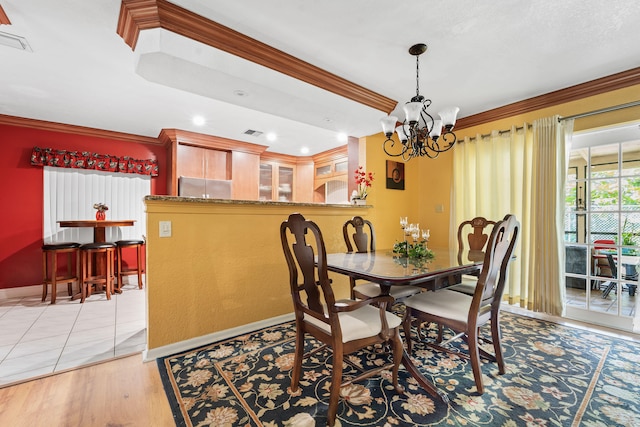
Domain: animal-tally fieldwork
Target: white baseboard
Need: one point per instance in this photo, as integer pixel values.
(150, 355)
(24, 291)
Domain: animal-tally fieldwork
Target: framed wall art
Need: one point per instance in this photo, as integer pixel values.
(395, 175)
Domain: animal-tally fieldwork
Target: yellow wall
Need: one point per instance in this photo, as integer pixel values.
(389, 205)
(223, 266)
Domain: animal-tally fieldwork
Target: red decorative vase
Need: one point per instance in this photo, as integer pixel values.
(100, 215)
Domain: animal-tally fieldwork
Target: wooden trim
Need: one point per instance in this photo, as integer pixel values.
(177, 136)
(76, 130)
(137, 15)
(278, 157)
(330, 155)
(572, 93)
(4, 19)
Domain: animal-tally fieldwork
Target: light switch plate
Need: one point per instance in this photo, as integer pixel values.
(165, 228)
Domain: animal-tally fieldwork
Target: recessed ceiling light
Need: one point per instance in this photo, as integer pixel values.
(198, 120)
(271, 136)
(304, 150)
(342, 137)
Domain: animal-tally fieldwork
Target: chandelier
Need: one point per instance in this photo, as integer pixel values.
(419, 134)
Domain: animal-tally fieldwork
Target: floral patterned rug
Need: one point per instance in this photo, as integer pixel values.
(556, 376)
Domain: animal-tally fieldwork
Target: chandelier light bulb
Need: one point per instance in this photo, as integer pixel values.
(388, 125)
(403, 133)
(448, 117)
(436, 131)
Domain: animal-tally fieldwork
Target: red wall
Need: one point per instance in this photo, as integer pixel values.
(21, 196)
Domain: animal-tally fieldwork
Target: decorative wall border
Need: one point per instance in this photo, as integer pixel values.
(138, 15)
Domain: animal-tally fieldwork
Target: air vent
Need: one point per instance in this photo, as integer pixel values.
(252, 132)
(17, 42)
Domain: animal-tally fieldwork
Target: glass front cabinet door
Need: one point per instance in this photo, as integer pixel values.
(276, 182)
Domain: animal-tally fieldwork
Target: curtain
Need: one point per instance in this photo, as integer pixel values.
(491, 179)
(513, 172)
(546, 243)
(69, 194)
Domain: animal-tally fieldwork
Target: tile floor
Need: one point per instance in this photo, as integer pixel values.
(37, 338)
(577, 297)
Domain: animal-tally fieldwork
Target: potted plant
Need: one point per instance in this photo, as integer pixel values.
(363, 181)
(101, 211)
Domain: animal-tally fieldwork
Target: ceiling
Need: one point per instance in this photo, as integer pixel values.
(481, 55)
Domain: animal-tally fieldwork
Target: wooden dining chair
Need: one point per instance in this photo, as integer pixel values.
(360, 236)
(474, 247)
(345, 326)
(465, 314)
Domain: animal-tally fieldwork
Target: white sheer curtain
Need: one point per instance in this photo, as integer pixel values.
(69, 194)
(508, 172)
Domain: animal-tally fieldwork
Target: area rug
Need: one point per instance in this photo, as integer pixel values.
(556, 376)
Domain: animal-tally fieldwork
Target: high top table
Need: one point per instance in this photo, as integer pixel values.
(98, 226)
(99, 234)
(388, 269)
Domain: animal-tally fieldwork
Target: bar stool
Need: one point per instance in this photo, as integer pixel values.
(50, 252)
(97, 260)
(123, 244)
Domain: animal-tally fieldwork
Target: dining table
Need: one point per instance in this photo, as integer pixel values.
(389, 269)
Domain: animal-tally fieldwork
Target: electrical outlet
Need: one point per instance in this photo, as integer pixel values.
(165, 228)
(439, 208)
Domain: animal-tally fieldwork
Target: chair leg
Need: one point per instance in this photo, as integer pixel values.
(397, 356)
(297, 359)
(336, 382)
(474, 355)
(139, 266)
(497, 344)
(45, 275)
(54, 278)
(406, 327)
(83, 281)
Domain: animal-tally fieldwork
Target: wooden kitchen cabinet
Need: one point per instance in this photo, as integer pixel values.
(277, 181)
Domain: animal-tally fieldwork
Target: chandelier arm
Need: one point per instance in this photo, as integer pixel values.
(431, 120)
(450, 138)
(384, 147)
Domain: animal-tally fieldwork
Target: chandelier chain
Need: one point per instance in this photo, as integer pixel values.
(417, 75)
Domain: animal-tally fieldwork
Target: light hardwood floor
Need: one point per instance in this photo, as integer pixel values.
(121, 392)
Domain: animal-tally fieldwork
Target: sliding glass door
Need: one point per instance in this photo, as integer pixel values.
(602, 227)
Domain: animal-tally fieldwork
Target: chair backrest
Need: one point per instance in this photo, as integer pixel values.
(362, 241)
(603, 243)
(315, 286)
(495, 267)
(476, 240)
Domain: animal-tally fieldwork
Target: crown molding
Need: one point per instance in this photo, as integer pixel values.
(138, 15)
(76, 130)
(177, 136)
(594, 87)
(4, 19)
